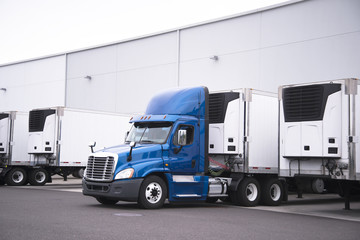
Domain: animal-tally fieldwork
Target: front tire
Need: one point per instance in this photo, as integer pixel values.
(38, 177)
(248, 193)
(152, 193)
(16, 177)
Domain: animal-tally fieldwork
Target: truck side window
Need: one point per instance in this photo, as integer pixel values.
(189, 134)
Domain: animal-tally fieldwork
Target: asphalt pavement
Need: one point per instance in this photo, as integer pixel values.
(60, 211)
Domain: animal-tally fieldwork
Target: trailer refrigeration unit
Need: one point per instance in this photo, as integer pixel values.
(319, 134)
(57, 143)
(193, 146)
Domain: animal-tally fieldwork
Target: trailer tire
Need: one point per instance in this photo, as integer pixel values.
(248, 193)
(16, 177)
(78, 173)
(106, 201)
(38, 177)
(2, 182)
(152, 193)
(271, 192)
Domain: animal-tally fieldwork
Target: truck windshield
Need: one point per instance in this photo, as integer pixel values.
(149, 132)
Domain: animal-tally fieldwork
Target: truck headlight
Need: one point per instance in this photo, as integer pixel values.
(127, 173)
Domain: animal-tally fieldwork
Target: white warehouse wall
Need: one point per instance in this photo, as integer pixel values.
(123, 76)
(307, 41)
(302, 41)
(33, 84)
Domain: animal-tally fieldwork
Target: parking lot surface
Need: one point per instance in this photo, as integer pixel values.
(59, 211)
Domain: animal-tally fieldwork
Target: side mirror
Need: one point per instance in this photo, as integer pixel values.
(182, 137)
(92, 145)
(132, 145)
(126, 135)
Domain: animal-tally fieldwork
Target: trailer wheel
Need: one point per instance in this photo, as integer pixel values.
(78, 173)
(38, 177)
(152, 193)
(106, 201)
(271, 192)
(248, 193)
(16, 177)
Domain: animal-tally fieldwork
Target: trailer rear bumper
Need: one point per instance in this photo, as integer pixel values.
(125, 190)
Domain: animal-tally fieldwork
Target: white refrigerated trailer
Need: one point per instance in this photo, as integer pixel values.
(54, 141)
(319, 135)
(243, 133)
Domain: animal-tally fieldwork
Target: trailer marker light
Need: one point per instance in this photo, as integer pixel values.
(149, 117)
(131, 118)
(255, 168)
(142, 118)
(164, 116)
(268, 168)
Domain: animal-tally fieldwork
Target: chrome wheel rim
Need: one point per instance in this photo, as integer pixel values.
(275, 192)
(251, 192)
(17, 177)
(40, 177)
(153, 192)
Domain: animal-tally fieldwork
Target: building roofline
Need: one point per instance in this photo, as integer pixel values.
(254, 11)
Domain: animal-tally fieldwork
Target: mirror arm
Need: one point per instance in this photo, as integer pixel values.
(177, 150)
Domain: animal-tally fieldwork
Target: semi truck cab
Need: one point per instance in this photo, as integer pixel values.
(165, 154)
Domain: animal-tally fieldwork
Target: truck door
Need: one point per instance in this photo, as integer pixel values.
(185, 159)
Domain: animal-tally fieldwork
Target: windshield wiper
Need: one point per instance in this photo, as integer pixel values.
(147, 141)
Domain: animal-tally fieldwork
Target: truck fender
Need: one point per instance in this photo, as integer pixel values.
(235, 181)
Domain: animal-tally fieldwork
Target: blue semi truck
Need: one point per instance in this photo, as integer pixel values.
(192, 145)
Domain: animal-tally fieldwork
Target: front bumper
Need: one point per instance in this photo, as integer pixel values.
(124, 190)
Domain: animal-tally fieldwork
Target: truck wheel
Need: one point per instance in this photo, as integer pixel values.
(152, 193)
(248, 193)
(211, 200)
(2, 182)
(16, 177)
(271, 192)
(38, 177)
(106, 201)
(78, 173)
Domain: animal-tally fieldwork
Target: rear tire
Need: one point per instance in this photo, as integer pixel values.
(106, 201)
(78, 173)
(152, 193)
(38, 177)
(248, 193)
(16, 177)
(272, 192)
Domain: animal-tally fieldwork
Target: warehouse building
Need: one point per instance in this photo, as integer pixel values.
(293, 42)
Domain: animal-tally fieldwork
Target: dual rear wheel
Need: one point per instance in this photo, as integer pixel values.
(19, 177)
(251, 192)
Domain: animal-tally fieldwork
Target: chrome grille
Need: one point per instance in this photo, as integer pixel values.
(100, 168)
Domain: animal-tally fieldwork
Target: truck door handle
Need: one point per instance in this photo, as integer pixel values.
(193, 163)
